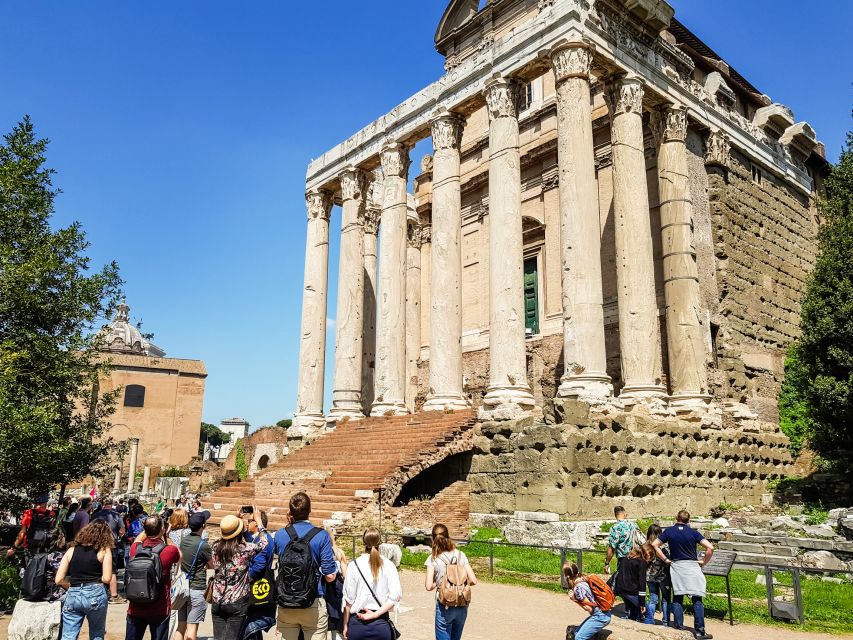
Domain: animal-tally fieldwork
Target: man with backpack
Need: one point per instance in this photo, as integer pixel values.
(114, 521)
(196, 557)
(593, 595)
(147, 581)
(36, 524)
(306, 562)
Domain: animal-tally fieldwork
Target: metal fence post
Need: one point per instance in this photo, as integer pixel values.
(353, 547)
(491, 558)
(580, 560)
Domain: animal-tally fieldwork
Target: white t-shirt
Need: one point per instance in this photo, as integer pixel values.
(386, 586)
(438, 563)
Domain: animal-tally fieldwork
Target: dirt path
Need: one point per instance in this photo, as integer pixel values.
(498, 611)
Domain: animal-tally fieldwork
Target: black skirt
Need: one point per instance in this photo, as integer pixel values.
(377, 629)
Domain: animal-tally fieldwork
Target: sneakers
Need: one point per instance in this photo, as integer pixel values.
(704, 635)
(117, 600)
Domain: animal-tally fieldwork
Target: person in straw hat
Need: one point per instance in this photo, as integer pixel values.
(232, 557)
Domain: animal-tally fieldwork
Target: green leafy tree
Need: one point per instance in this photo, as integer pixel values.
(284, 424)
(793, 410)
(212, 435)
(53, 418)
(240, 463)
(822, 367)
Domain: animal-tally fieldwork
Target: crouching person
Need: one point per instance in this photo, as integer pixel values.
(593, 595)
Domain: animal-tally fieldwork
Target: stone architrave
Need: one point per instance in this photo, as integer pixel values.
(688, 376)
(445, 352)
(413, 305)
(585, 356)
(390, 376)
(371, 229)
(312, 346)
(131, 475)
(639, 332)
(508, 395)
(349, 327)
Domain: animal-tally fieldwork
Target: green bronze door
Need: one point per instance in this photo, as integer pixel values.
(531, 297)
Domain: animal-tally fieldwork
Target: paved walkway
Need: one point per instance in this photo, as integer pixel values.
(497, 612)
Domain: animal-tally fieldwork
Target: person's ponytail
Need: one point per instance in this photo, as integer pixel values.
(441, 541)
(372, 539)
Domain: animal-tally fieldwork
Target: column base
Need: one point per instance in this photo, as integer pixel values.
(445, 402)
(345, 409)
(589, 386)
(308, 420)
(689, 402)
(388, 408)
(507, 403)
(653, 396)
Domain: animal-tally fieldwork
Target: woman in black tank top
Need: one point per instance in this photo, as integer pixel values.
(85, 570)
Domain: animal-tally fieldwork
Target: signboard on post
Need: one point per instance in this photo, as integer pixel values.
(720, 565)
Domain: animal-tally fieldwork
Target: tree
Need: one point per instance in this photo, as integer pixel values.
(53, 418)
(212, 435)
(284, 424)
(823, 363)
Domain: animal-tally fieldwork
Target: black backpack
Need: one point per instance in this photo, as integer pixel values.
(38, 530)
(143, 575)
(35, 583)
(298, 574)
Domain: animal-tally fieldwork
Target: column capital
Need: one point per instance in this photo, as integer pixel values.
(395, 160)
(502, 98)
(413, 235)
(571, 60)
(624, 94)
(717, 149)
(669, 124)
(447, 130)
(319, 204)
(353, 182)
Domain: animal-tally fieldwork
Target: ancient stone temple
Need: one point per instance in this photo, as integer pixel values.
(605, 259)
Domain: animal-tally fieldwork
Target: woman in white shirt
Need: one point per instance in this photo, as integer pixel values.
(449, 621)
(371, 590)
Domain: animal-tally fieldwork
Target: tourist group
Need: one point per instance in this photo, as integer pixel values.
(314, 592)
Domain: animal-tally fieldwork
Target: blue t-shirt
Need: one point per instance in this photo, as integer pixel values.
(262, 561)
(321, 549)
(682, 541)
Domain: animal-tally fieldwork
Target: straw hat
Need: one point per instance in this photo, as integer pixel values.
(231, 527)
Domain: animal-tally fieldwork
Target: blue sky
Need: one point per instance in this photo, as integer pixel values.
(181, 133)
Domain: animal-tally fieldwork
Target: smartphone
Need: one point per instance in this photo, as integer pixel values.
(247, 509)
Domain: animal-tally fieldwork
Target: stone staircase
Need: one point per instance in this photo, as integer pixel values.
(343, 469)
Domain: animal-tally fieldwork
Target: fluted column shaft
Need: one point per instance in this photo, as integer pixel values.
(445, 349)
(413, 307)
(131, 474)
(391, 318)
(508, 395)
(688, 376)
(349, 328)
(312, 346)
(585, 356)
(639, 333)
(371, 228)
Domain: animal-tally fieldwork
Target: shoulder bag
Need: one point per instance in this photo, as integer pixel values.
(180, 592)
(395, 633)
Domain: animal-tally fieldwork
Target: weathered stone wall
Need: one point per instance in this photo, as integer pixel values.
(264, 447)
(765, 246)
(584, 466)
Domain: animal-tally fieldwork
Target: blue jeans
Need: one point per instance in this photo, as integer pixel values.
(698, 612)
(449, 622)
(597, 620)
(633, 606)
(88, 602)
(659, 592)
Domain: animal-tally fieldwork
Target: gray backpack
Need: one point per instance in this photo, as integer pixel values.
(143, 575)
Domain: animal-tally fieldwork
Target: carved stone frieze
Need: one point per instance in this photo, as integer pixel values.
(352, 183)
(669, 124)
(447, 131)
(319, 204)
(371, 220)
(624, 94)
(502, 98)
(395, 160)
(426, 164)
(413, 236)
(426, 234)
(571, 60)
(717, 149)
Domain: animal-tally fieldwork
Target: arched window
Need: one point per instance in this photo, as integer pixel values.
(134, 395)
(263, 462)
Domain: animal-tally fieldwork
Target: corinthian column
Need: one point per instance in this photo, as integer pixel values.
(445, 349)
(688, 376)
(391, 320)
(508, 395)
(346, 397)
(639, 334)
(413, 304)
(371, 228)
(312, 345)
(580, 229)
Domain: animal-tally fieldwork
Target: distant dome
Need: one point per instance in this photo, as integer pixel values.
(120, 336)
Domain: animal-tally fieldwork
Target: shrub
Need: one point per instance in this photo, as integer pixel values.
(240, 461)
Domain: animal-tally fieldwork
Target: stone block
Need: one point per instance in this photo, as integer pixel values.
(536, 516)
(35, 620)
